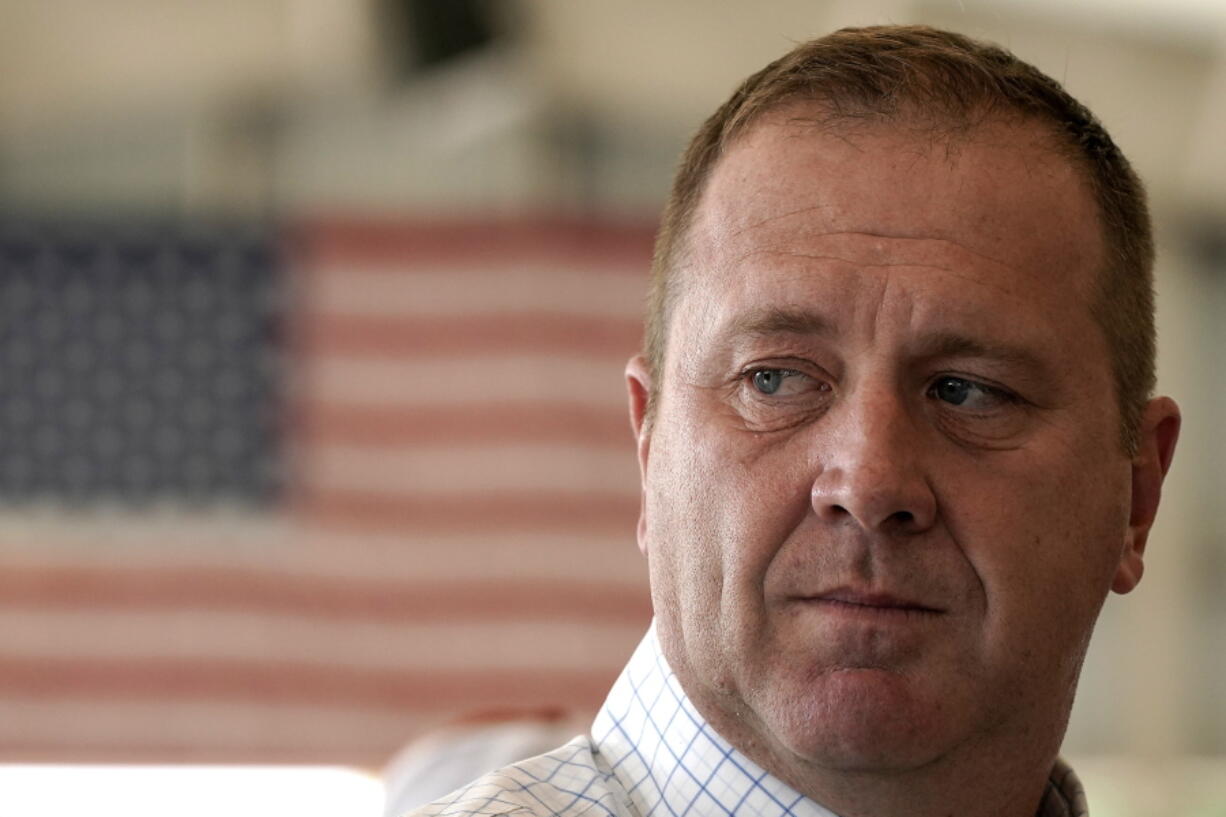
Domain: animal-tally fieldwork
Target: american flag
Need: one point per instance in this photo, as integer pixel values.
(295, 494)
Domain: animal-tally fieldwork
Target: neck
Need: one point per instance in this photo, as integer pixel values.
(1001, 773)
(941, 790)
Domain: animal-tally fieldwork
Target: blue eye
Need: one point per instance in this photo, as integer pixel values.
(768, 381)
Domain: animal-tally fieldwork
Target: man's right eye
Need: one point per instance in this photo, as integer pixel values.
(774, 398)
(775, 382)
(768, 381)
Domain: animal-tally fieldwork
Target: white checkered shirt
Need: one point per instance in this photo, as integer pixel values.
(651, 754)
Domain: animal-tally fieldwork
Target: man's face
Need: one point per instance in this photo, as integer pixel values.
(884, 493)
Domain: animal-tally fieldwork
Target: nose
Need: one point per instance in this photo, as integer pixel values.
(872, 471)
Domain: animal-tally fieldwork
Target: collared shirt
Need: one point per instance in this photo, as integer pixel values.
(650, 754)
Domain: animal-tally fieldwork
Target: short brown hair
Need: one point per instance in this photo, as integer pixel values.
(883, 72)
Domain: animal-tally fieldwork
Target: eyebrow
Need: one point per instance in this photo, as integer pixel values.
(780, 321)
(789, 321)
(949, 344)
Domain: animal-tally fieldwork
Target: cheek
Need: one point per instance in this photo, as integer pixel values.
(718, 511)
(1043, 539)
(681, 527)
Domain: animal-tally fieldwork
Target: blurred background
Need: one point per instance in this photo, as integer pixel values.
(312, 322)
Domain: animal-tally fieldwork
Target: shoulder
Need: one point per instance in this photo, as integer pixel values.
(570, 780)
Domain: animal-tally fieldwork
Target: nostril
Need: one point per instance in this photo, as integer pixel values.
(904, 517)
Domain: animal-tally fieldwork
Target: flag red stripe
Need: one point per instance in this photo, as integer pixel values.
(580, 515)
(233, 589)
(291, 683)
(158, 752)
(464, 335)
(323, 423)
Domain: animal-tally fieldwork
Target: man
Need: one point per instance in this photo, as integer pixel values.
(897, 444)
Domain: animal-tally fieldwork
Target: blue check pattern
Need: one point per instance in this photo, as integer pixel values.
(651, 754)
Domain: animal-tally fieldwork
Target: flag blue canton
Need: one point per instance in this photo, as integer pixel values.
(139, 364)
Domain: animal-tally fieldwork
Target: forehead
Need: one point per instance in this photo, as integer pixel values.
(998, 199)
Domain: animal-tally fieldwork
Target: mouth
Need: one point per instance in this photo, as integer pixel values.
(856, 601)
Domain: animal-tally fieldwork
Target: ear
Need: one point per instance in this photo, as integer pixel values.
(638, 384)
(1159, 432)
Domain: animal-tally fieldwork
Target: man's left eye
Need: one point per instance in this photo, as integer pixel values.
(959, 391)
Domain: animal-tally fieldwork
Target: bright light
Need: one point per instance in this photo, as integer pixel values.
(188, 791)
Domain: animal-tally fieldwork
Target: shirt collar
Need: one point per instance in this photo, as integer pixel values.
(673, 764)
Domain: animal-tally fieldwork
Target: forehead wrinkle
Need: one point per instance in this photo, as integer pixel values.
(962, 248)
(779, 216)
(849, 261)
(999, 283)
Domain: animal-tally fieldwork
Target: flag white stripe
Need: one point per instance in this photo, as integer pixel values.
(75, 727)
(431, 471)
(397, 291)
(310, 553)
(492, 644)
(472, 380)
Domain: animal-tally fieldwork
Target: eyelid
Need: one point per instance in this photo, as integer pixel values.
(787, 408)
(817, 378)
(985, 384)
(799, 365)
(982, 426)
(748, 376)
(809, 382)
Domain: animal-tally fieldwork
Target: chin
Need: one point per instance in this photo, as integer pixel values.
(864, 720)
